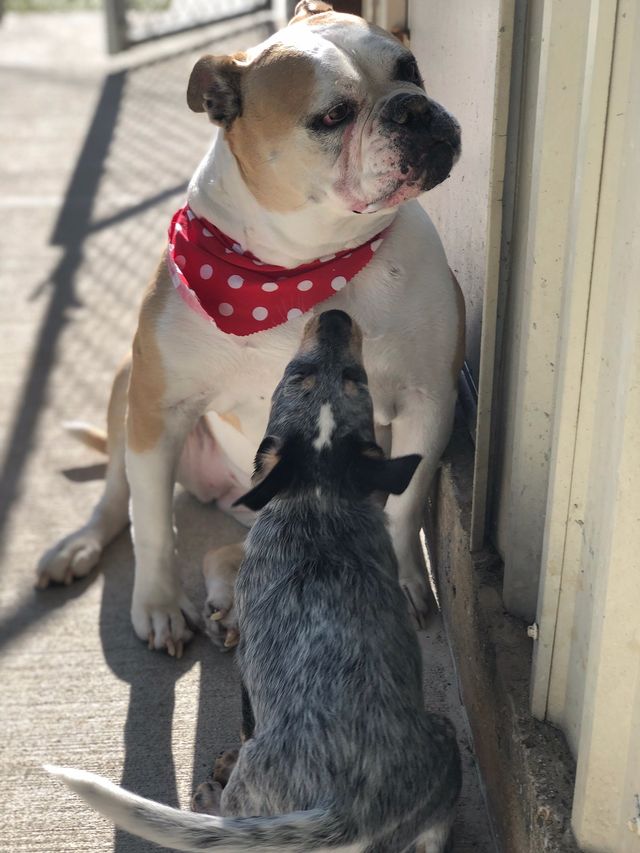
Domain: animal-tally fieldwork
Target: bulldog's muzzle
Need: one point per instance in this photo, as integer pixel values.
(427, 135)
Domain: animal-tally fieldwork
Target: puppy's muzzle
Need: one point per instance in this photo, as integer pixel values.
(333, 330)
(335, 324)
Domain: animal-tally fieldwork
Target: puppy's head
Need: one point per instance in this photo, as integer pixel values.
(320, 434)
(330, 109)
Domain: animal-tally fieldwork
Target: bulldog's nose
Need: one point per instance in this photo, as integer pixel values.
(407, 108)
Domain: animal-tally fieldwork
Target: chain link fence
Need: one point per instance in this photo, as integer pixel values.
(132, 21)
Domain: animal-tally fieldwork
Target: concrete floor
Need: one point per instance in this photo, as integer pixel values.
(94, 158)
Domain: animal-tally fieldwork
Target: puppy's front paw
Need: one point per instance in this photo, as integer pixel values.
(70, 558)
(224, 765)
(206, 799)
(164, 625)
(220, 568)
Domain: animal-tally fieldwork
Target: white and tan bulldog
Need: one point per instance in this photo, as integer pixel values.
(325, 135)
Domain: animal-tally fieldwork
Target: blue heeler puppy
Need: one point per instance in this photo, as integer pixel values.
(342, 755)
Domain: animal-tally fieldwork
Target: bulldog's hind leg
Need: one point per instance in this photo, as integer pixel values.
(220, 568)
(76, 554)
(208, 471)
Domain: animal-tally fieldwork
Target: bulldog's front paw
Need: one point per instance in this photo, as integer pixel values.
(420, 600)
(164, 625)
(70, 558)
(221, 625)
(220, 567)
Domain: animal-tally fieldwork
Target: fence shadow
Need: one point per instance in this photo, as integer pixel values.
(140, 149)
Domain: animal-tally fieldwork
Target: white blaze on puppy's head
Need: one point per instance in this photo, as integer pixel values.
(326, 426)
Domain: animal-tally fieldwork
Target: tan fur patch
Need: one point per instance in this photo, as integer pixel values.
(147, 385)
(276, 92)
(209, 70)
(311, 7)
(232, 419)
(117, 409)
(373, 453)
(355, 344)
(458, 358)
(308, 340)
(223, 563)
(223, 766)
(268, 461)
(324, 18)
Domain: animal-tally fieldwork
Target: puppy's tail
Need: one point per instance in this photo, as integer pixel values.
(181, 830)
(87, 434)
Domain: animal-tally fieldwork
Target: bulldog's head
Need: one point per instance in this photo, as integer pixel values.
(330, 108)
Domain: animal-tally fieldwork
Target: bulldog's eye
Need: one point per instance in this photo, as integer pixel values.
(336, 115)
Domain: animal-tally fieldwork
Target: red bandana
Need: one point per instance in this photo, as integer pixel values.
(240, 293)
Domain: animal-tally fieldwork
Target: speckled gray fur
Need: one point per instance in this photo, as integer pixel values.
(327, 654)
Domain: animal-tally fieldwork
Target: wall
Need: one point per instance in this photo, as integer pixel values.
(464, 53)
(588, 609)
(568, 442)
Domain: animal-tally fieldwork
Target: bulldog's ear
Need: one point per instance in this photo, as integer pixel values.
(272, 474)
(373, 473)
(215, 87)
(306, 8)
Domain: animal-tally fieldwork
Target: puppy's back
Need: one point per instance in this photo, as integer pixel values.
(332, 662)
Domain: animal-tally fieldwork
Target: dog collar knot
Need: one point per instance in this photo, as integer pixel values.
(240, 293)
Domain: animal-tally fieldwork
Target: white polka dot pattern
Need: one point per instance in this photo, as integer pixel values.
(260, 313)
(223, 281)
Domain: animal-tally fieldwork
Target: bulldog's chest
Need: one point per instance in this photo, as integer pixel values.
(243, 396)
(238, 374)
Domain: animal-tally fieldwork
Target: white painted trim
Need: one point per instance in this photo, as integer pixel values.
(596, 56)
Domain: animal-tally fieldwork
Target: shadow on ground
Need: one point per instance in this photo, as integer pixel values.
(79, 680)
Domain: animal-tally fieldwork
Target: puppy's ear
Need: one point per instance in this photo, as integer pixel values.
(374, 473)
(273, 473)
(306, 8)
(215, 87)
